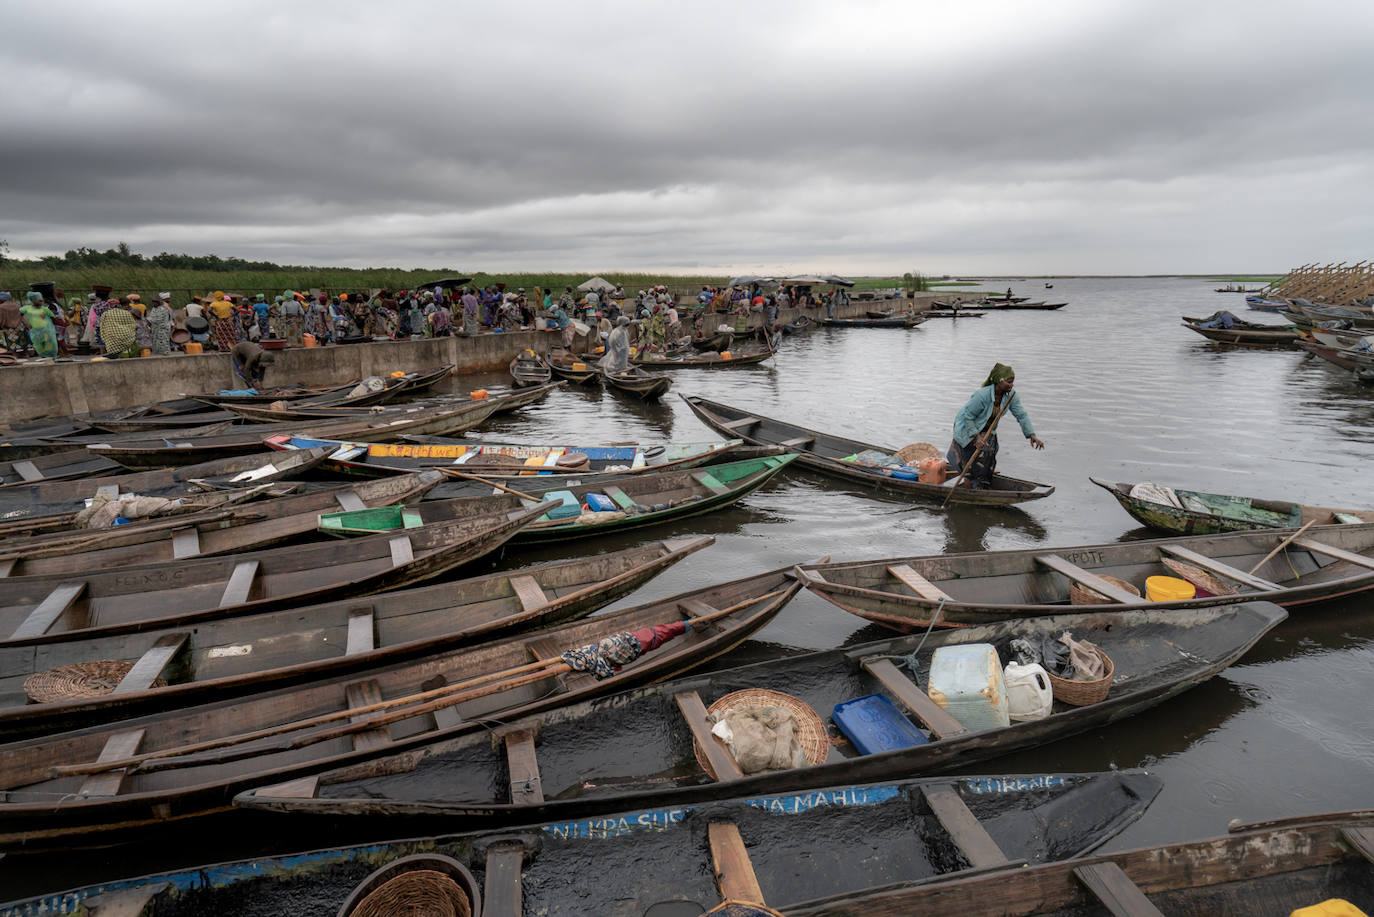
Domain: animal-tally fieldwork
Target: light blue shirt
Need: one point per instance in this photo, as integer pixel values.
(975, 414)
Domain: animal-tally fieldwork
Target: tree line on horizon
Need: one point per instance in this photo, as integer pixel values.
(121, 255)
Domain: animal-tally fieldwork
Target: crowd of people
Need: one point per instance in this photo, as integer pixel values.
(48, 323)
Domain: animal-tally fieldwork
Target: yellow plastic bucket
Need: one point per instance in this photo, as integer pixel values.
(1331, 907)
(1168, 589)
(191, 347)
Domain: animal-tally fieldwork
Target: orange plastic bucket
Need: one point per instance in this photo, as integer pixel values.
(191, 347)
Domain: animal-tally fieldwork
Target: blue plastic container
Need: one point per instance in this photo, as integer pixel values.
(874, 724)
(600, 503)
(569, 507)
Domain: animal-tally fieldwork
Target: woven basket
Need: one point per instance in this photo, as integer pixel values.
(78, 680)
(742, 909)
(911, 455)
(1200, 578)
(811, 733)
(1083, 693)
(1082, 595)
(421, 885)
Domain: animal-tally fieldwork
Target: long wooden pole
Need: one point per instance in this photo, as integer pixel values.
(481, 480)
(976, 452)
(1282, 544)
(447, 695)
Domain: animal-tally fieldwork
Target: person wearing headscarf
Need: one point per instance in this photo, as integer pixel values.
(293, 321)
(41, 333)
(76, 320)
(222, 322)
(617, 358)
(262, 313)
(159, 319)
(470, 307)
(119, 332)
(317, 318)
(13, 335)
(975, 435)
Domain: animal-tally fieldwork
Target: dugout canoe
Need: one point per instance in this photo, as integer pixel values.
(915, 830)
(528, 368)
(1268, 869)
(1245, 334)
(505, 461)
(706, 360)
(43, 809)
(1332, 355)
(1327, 562)
(826, 453)
(654, 745)
(1195, 512)
(58, 502)
(172, 666)
(909, 320)
(67, 606)
(245, 528)
(164, 452)
(643, 500)
(55, 466)
(635, 381)
(566, 366)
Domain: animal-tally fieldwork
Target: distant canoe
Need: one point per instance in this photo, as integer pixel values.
(1194, 512)
(635, 381)
(908, 320)
(707, 360)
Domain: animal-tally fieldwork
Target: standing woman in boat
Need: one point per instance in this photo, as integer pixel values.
(973, 427)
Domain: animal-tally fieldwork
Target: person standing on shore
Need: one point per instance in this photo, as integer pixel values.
(159, 319)
(222, 322)
(975, 437)
(41, 333)
(293, 321)
(471, 326)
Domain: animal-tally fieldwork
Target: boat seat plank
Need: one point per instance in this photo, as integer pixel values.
(123, 902)
(402, 552)
(6, 566)
(699, 721)
(1084, 578)
(1350, 557)
(525, 787)
(963, 827)
(300, 788)
(934, 717)
(548, 648)
(444, 717)
(735, 875)
(350, 501)
(501, 892)
(1361, 840)
(240, 584)
(738, 422)
(622, 499)
(710, 482)
(186, 543)
(361, 638)
(919, 584)
(151, 663)
(49, 610)
(362, 694)
(118, 746)
(1110, 885)
(109, 491)
(1221, 569)
(798, 442)
(28, 471)
(528, 591)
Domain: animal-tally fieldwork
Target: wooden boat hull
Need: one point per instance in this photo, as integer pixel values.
(1246, 337)
(575, 376)
(527, 372)
(42, 811)
(679, 493)
(38, 610)
(219, 659)
(907, 321)
(1332, 355)
(58, 466)
(705, 361)
(648, 732)
(1028, 818)
(991, 586)
(823, 452)
(635, 381)
(1274, 514)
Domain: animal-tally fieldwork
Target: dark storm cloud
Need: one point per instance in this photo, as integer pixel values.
(870, 136)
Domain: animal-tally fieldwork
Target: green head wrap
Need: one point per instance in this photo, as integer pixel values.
(999, 372)
(260, 298)
(35, 296)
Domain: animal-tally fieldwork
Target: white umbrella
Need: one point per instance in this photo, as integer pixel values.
(599, 284)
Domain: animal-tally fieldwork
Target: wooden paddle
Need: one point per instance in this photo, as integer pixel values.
(1282, 544)
(451, 472)
(976, 452)
(399, 708)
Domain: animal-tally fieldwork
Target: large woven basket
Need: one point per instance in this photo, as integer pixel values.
(811, 734)
(912, 454)
(78, 680)
(1083, 693)
(423, 885)
(1082, 595)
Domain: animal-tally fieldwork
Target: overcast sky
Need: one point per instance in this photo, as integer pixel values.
(855, 137)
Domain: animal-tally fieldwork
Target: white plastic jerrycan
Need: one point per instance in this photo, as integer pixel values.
(1029, 696)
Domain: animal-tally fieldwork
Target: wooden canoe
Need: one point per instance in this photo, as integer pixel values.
(504, 461)
(55, 466)
(339, 395)
(635, 381)
(244, 528)
(565, 366)
(909, 320)
(286, 393)
(39, 808)
(826, 453)
(59, 501)
(162, 452)
(1327, 562)
(529, 370)
(643, 500)
(217, 659)
(49, 609)
(646, 737)
(175, 424)
(1245, 334)
(1269, 869)
(1194, 512)
(702, 360)
(914, 830)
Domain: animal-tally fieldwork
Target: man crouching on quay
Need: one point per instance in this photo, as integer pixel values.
(251, 362)
(975, 427)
